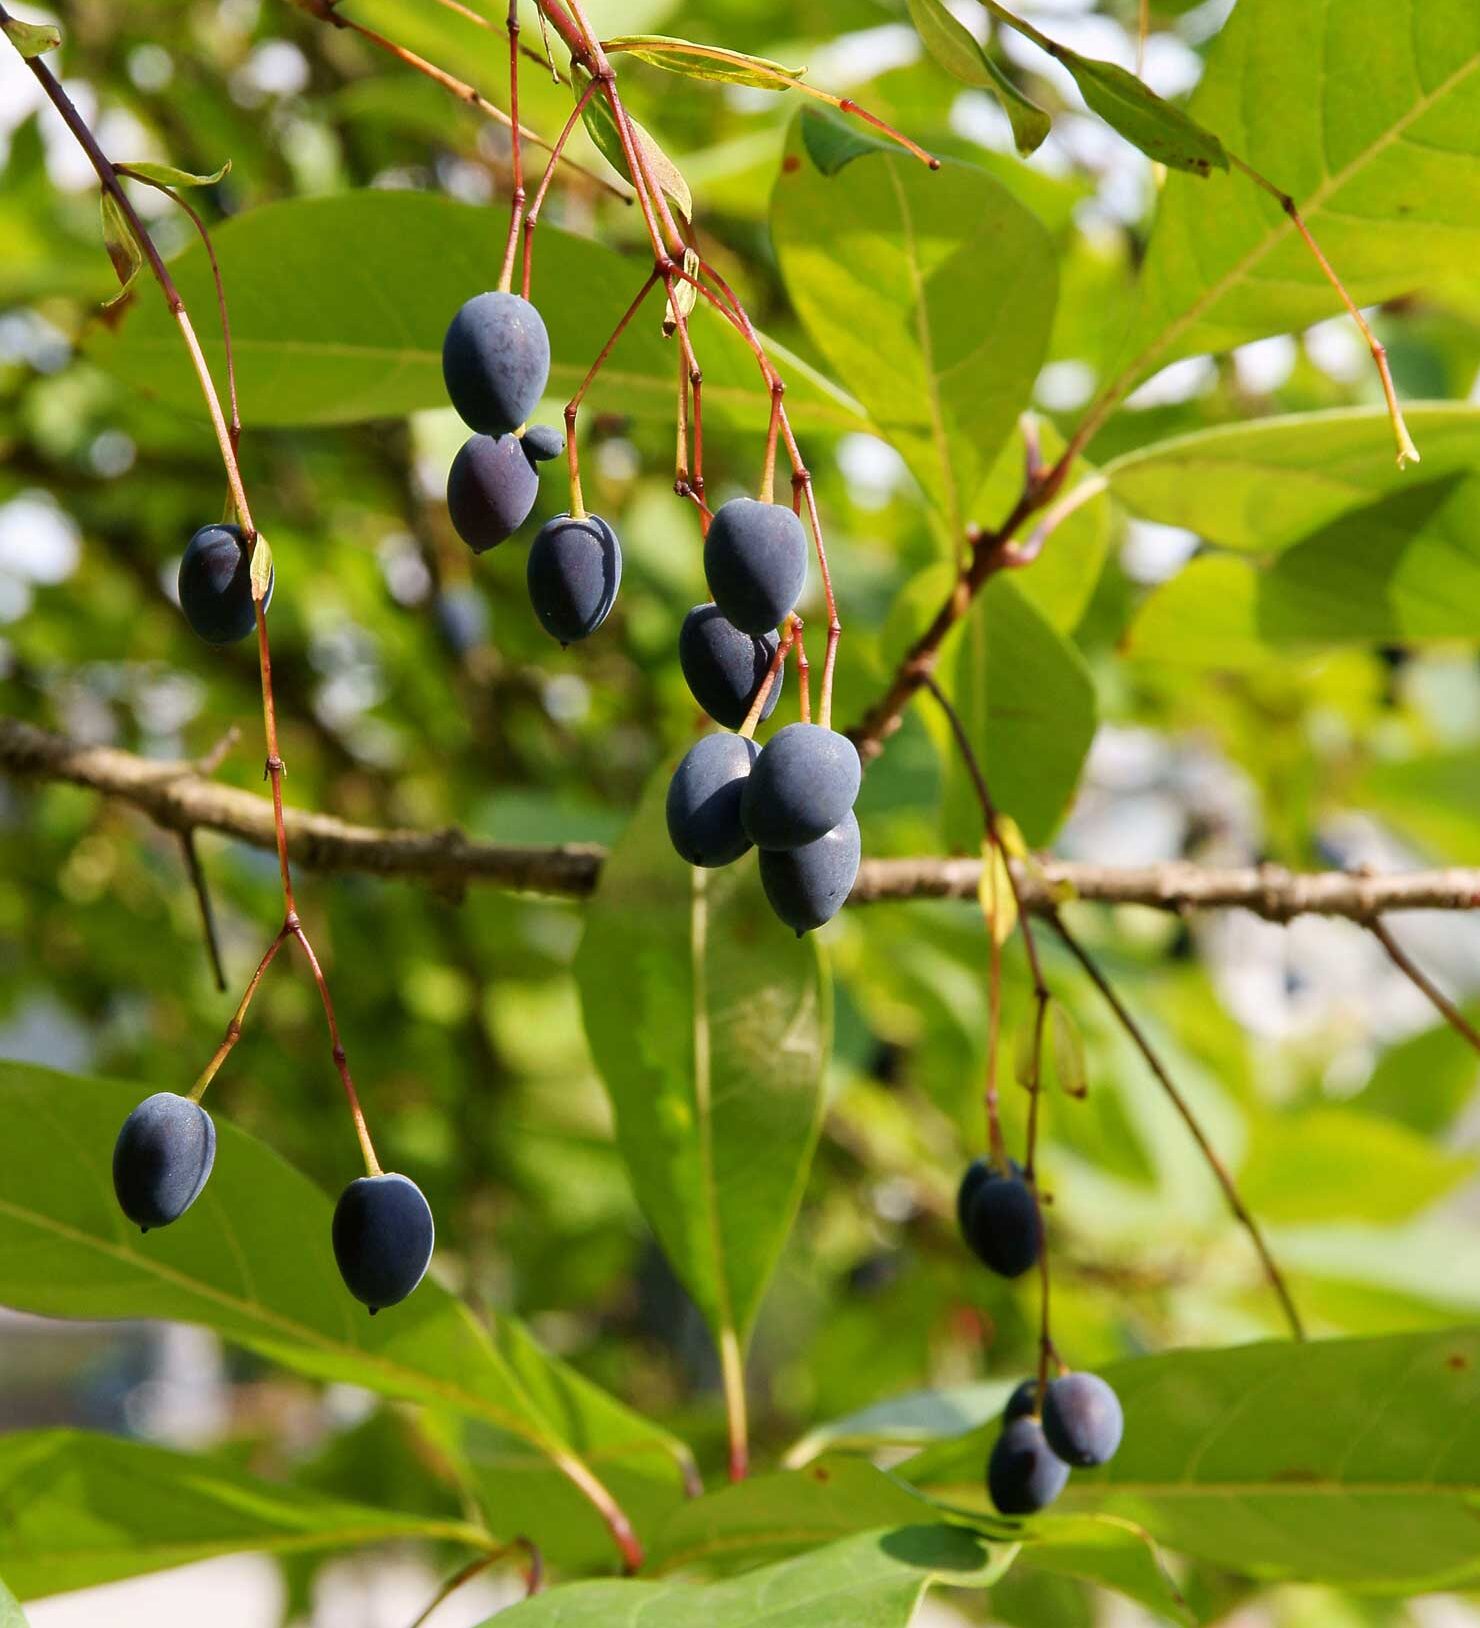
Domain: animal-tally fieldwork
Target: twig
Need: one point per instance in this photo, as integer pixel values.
(326, 12)
(207, 913)
(1421, 980)
(1220, 1171)
(534, 1575)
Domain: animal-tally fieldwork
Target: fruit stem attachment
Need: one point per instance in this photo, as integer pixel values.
(516, 189)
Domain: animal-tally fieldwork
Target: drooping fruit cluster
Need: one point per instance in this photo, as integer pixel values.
(166, 1150)
(215, 585)
(496, 365)
(1078, 1427)
(999, 1218)
(793, 798)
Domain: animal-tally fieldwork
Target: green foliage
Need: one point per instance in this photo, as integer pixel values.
(709, 1022)
(87, 1509)
(931, 296)
(961, 54)
(874, 1580)
(302, 360)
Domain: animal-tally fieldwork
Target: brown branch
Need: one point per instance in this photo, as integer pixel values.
(178, 797)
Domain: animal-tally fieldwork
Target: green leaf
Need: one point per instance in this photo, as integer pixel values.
(32, 39)
(1066, 1051)
(1206, 616)
(1434, 799)
(1026, 699)
(833, 143)
(1265, 484)
(1352, 1462)
(709, 1022)
(705, 61)
(405, 261)
(122, 246)
(1102, 1549)
(85, 1509)
(1160, 129)
(931, 294)
(252, 1260)
(962, 55)
(874, 1580)
(768, 1517)
(601, 125)
(167, 175)
(1376, 143)
(1317, 1166)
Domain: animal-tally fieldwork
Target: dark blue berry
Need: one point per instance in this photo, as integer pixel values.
(755, 560)
(1001, 1224)
(977, 1172)
(162, 1158)
(215, 585)
(1082, 1420)
(805, 783)
(808, 886)
(491, 488)
(383, 1236)
(704, 800)
(1023, 1473)
(725, 667)
(541, 442)
(496, 362)
(1022, 1403)
(575, 568)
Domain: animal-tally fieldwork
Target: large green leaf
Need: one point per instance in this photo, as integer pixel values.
(930, 293)
(1368, 113)
(1354, 1462)
(1403, 569)
(1263, 485)
(369, 344)
(874, 1580)
(84, 1509)
(964, 57)
(1025, 696)
(252, 1260)
(771, 1516)
(709, 1022)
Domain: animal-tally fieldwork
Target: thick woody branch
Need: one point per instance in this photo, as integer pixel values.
(180, 798)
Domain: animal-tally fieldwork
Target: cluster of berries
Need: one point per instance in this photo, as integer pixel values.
(496, 365)
(1080, 1423)
(382, 1232)
(793, 798)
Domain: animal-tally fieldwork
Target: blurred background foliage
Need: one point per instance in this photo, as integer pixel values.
(415, 688)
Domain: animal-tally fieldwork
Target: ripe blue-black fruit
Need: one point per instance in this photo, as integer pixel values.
(977, 1172)
(808, 886)
(496, 362)
(541, 442)
(215, 585)
(1023, 1473)
(383, 1236)
(725, 667)
(805, 782)
(1082, 1420)
(491, 488)
(1000, 1223)
(755, 560)
(1022, 1402)
(162, 1158)
(575, 568)
(704, 800)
